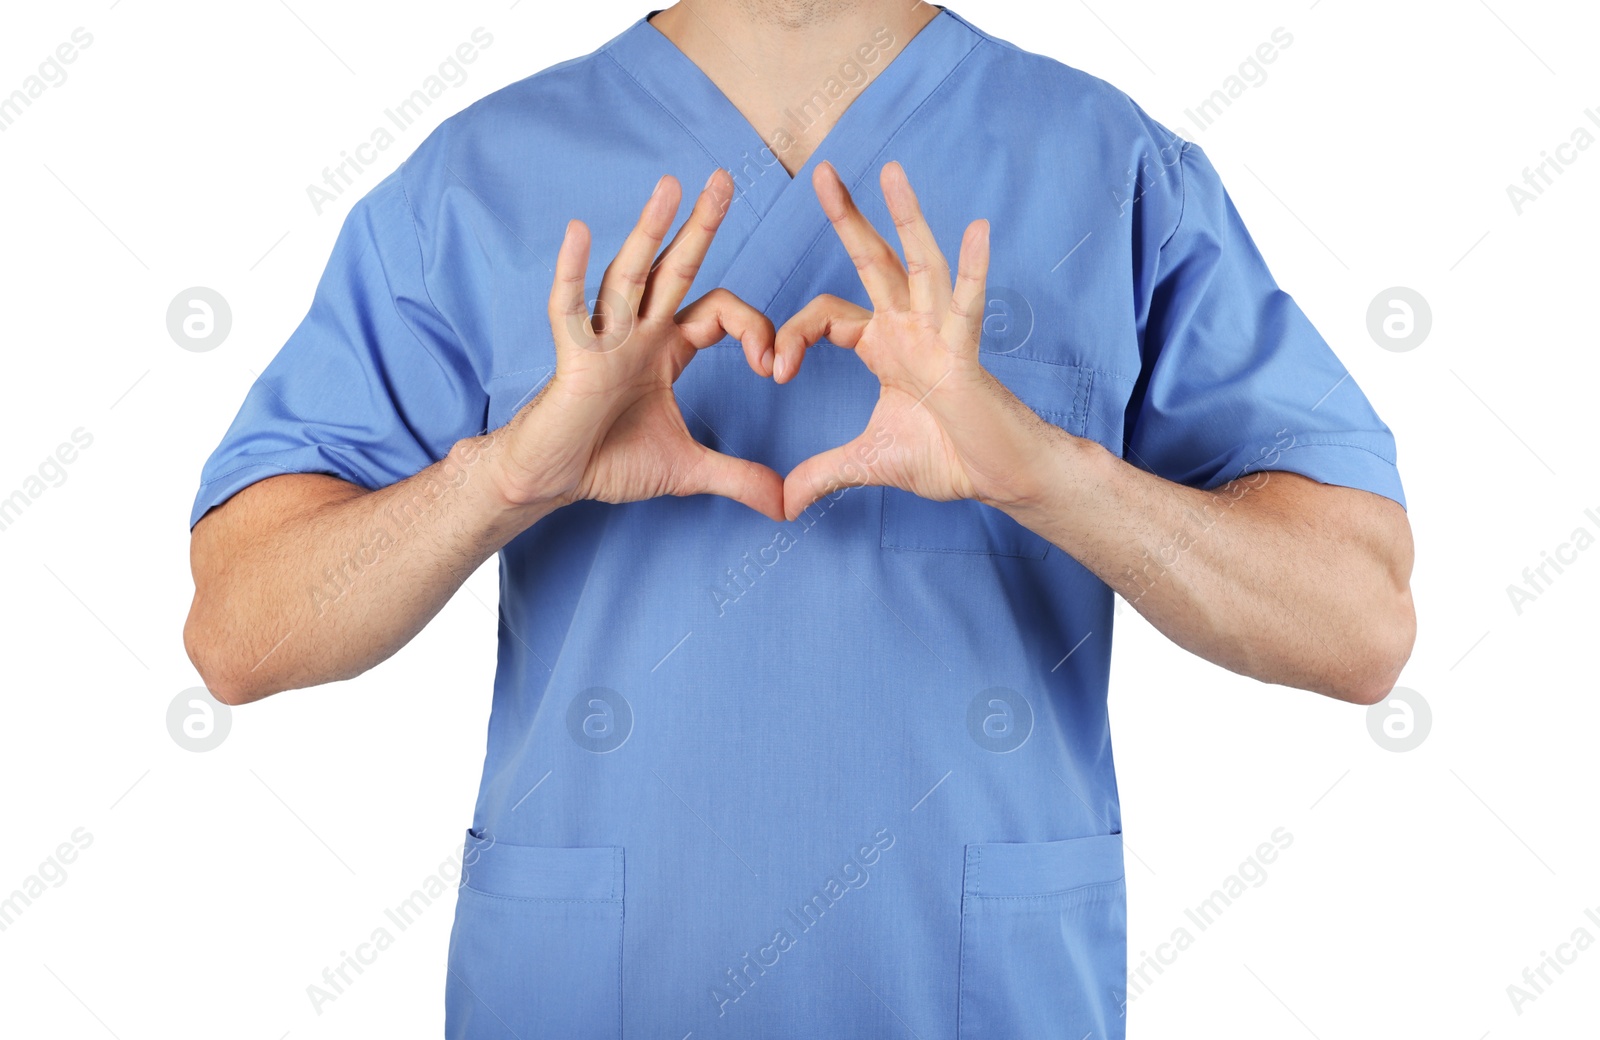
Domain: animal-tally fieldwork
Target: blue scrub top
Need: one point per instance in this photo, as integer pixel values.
(849, 775)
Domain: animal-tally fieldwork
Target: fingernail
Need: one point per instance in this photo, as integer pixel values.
(780, 368)
(657, 189)
(766, 360)
(712, 177)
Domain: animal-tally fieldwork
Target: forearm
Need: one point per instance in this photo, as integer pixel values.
(1269, 576)
(305, 579)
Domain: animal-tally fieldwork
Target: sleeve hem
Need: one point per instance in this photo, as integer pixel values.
(219, 489)
(1340, 464)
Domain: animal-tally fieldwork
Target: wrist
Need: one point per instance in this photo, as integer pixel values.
(1052, 465)
(535, 462)
(504, 492)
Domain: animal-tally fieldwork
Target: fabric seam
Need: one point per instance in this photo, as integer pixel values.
(1323, 444)
(1092, 887)
(888, 139)
(280, 469)
(1183, 197)
(690, 134)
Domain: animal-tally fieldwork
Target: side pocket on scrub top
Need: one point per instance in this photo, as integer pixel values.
(1044, 940)
(536, 949)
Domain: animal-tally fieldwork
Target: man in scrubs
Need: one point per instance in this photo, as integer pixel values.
(811, 492)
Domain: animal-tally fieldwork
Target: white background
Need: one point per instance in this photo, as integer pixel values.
(218, 886)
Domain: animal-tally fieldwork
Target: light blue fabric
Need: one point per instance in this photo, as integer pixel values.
(866, 787)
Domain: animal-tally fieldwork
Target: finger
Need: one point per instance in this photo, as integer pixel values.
(876, 261)
(743, 481)
(679, 263)
(826, 317)
(827, 472)
(569, 310)
(969, 301)
(926, 268)
(718, 314)
(624, 282)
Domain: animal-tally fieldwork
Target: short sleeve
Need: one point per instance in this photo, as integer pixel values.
(1235, 379)
(372, 386)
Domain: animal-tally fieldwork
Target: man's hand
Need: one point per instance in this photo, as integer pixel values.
(1297, 582)
(943, 427)
(608, 425)
(605, 427)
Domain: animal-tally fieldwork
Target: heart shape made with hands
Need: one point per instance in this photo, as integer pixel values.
(942, 428)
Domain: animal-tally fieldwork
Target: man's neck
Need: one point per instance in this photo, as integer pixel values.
(792, 67)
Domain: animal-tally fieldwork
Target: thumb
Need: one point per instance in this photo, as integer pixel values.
(748, 483)
(827, 472)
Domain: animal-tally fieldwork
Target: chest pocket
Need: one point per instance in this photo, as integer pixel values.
(509, 392)
(1058, 394)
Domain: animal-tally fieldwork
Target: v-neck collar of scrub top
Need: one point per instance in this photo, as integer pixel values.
(788, 217)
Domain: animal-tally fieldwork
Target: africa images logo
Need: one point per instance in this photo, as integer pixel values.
(1538, 578)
